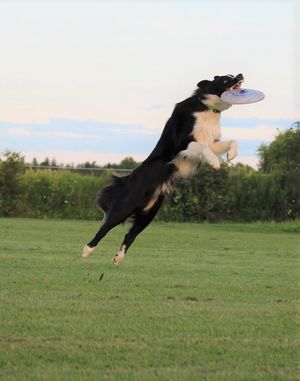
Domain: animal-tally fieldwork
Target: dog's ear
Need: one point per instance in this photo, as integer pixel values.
(203, 85)
(216, 76)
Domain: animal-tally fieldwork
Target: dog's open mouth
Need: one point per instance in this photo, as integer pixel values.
(237, 82)
(237, 86)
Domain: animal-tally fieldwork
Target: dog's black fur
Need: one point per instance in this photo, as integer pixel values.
(140, 194)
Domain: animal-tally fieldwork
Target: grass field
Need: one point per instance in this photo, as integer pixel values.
(190, 302)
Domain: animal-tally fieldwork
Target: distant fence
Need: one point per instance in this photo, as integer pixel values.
(87, 170)
(95, 170)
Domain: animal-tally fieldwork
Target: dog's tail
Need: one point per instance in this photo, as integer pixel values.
(106, 194)
(138, 187)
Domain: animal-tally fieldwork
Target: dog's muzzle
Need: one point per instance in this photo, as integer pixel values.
(239, 79)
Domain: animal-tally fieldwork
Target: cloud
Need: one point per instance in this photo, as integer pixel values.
(260, 132)
(243, 129)
(70, 128)
(252, 122)
(23, 132)
(15, 132)
(107, 141)
(77, 135)
(155, 107)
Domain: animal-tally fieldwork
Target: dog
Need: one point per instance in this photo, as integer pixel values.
(190, 137)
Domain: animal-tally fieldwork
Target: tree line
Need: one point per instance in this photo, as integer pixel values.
(235, 193)
(127, 163)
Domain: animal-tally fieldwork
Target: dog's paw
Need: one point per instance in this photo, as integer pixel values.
(233, 151)
(215, 164)
(87, 250)
(119, 256)
(211, 158)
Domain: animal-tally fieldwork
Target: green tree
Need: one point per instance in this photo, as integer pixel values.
(88, 164)
(34, 162)
(46, 162)
(128, 163)
(283, 154)
(53, 163)
(11, 168)
(282, 159)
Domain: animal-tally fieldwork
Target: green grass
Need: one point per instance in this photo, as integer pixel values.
(190, 302)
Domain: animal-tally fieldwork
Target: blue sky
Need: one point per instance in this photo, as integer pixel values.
(97, 80)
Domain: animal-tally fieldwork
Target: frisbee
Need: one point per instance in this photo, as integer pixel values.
(242, 96)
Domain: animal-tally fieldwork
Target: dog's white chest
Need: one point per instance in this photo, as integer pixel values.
(207, 127)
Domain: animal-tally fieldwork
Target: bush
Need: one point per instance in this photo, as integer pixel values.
(234, 194)
(11, 170)
(237, 193)
(203, 197)
(283, 154)
(60, 194)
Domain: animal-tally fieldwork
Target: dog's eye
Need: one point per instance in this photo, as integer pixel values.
(225, 81)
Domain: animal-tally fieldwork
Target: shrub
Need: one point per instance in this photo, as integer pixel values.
(60, 194)
(11, 170)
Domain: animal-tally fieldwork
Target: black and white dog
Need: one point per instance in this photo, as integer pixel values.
(191, 136)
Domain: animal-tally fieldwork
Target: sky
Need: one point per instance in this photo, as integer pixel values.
(97, 80)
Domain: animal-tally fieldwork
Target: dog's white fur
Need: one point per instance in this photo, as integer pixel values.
(207, 145)
(119, 256)
(87, 251)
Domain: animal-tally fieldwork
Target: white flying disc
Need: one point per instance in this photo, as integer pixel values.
(242, 96)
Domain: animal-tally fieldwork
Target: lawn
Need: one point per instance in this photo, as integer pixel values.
(189, 302)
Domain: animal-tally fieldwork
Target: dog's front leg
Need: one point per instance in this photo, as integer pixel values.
(199, 152)
(229, 147)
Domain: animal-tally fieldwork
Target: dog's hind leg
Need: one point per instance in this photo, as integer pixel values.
(91, 246)
(113, 219)
(141, 221)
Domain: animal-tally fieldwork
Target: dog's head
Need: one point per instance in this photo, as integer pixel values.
(220, 84)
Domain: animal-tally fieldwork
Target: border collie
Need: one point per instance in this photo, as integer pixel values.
(191, 136)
